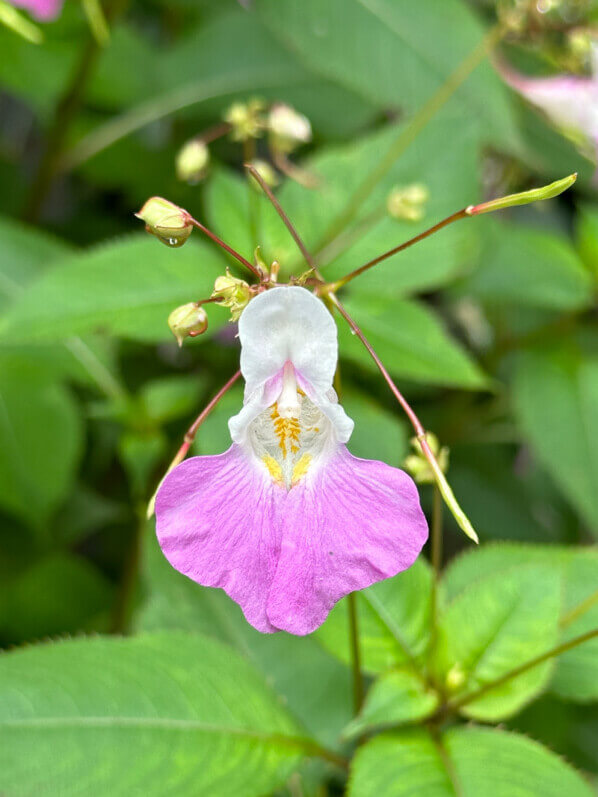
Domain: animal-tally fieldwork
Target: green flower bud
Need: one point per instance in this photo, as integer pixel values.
(192, 161)
(288, 128)
(232, 293)
(419, 467)
(266, 172)
(246, 119)
(188, 321)
(408, 202)
(168, 222)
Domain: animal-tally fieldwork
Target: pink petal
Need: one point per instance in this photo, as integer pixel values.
(357, 522)
(44, 10)
(218, 523)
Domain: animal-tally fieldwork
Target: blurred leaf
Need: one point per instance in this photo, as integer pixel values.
(394, 622)
(576, 672)
(464, 761)
(314, 685)
(40, 441)
(397, 697)
(378, 433)
(525, 266)
(199, 719)
(555, 399)
(496, 624)
(24, 252)
(170, 397)
(396, 55)
(140, 452)
(127, 287)
(410, 341)
(58, 594)
(587, 237)
(213, 436)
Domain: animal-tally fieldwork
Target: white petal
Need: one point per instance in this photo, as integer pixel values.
(287, 324)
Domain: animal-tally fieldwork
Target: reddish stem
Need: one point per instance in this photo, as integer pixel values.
(460, 214)
(256, 272)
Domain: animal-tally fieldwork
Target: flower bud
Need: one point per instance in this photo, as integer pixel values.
(246, 119)
(167, 221)
(417, 464)
(192, 161)
(288, 128)
(266, 172)
(232, 293)
(188, 321)
(408, 202)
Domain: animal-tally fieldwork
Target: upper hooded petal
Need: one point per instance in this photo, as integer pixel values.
(357, 522)
(217, 521)
(287, 324)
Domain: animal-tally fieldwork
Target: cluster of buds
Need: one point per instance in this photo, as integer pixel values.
(408, 202)
(245, 122)
(232, 293)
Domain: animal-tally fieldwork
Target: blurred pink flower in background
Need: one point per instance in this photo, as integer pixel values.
(287, 521)
(570, 102)
(44, 10)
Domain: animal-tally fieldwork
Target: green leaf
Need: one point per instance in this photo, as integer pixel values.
(398, 55)
(126, 287)
(378, 433)
(410, 341)
(40, 440)
(464, 761)
(555, 399)
(24, 252)
(397, 697)
(496, 624)
(587, 237)
(199, 719)
(394, 622)
(314, 685)
(576, 671)
(58, 594)
(525, 266)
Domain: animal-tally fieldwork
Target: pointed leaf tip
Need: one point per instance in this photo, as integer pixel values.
(524, 197)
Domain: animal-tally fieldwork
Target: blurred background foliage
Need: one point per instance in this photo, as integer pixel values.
(489, 326)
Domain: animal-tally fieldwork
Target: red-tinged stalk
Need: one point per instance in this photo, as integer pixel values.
(191, 433)
(212, 235)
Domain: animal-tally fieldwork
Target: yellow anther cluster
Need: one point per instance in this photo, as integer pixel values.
(287, 430)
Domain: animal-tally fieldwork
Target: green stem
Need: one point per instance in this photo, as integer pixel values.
(408, 136)
(355, 654)
(65, 113)
(454, 705)
(436, 559)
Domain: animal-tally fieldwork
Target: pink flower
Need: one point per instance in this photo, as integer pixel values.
(571, 103)
(44, 10)
(287, 521)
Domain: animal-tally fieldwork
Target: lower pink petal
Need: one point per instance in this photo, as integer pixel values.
(355, 523)
(217, 521)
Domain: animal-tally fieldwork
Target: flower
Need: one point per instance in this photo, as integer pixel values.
(571, 103)
(44, 10)
(287, 127)
(287, 521)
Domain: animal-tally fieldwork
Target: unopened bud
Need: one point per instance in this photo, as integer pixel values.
(188, 321)
(167, 221)
(408, 202)
(192, 161)
(288, 128)
(266, 172)
(246, 119)
(232, 293)
(418, 466)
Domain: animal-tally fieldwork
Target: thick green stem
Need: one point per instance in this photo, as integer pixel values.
(355, 654)
(64, 115)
